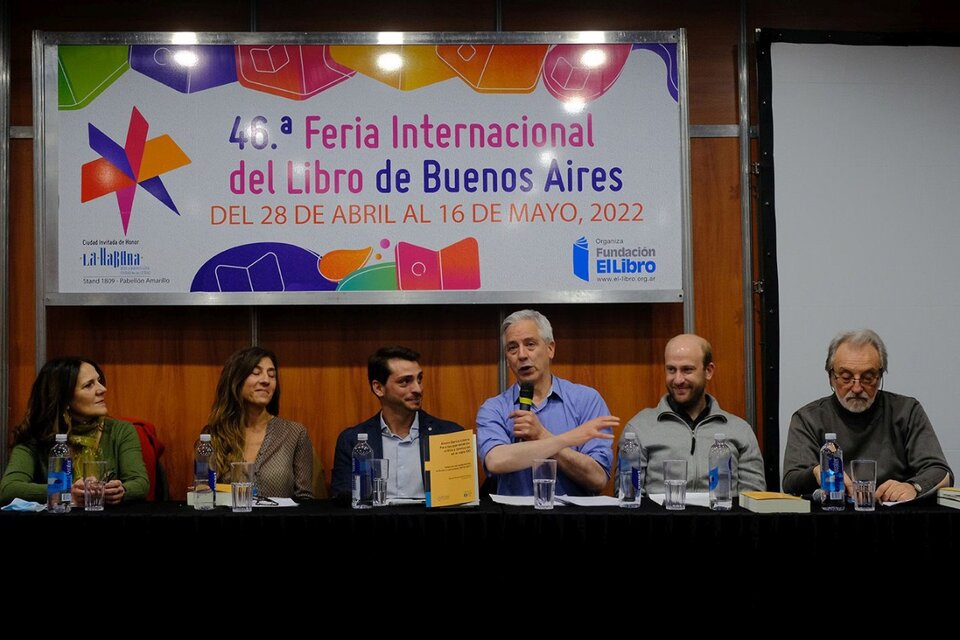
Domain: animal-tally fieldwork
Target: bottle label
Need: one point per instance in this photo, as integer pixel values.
(832, 483)
(362, 481)
(835, 464)
(57, 482)
(831, 479)
(361, 465)
(714, 478)
(66, 496)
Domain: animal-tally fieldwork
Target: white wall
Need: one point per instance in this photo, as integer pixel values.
(867, 170)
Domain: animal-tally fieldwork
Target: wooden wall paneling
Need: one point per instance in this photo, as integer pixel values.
(377, 15)
(717, 263)
(616, 349)
(323, 350)
(148, 380)
(162, 364)
(323, 353)
(22, 333)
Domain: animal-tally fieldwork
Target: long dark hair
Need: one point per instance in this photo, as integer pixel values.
(226, 420)
(50, 399)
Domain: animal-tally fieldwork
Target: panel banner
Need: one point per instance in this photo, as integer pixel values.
(448, 170)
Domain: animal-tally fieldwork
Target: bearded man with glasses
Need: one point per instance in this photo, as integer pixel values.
(870, 424)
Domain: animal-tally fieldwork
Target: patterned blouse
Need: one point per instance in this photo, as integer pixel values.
(284, 464)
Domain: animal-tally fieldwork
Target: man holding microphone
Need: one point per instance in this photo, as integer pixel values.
(562, 420)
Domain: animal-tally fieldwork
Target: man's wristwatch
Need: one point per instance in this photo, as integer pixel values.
(919, 489)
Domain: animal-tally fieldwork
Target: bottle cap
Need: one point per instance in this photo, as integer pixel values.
(61, 437)
(630, 435)
(362, 437)
(830, 436)
(205, 437)
(719, 436)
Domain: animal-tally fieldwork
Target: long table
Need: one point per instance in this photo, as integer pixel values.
(927, 530)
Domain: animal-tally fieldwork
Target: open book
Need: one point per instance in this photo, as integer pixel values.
(451, 470)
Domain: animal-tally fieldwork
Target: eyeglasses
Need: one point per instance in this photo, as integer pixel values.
(264, 500)
(866, 379)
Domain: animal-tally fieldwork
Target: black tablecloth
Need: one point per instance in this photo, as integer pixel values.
(926, 529)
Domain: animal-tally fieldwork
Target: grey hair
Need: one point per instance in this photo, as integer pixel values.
(857, 338)
(546, 330)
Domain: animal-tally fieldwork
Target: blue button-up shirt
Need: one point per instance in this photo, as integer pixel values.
(566, 407)
(406, 479)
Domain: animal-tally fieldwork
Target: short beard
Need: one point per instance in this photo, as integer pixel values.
(695, 399)
(856, 403)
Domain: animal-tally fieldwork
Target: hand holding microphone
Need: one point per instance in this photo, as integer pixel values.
(524, 403)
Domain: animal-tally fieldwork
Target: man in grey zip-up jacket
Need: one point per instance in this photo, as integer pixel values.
(685, 421)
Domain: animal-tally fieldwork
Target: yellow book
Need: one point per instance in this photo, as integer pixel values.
(452, 470)
(773, 502)
(224, 496)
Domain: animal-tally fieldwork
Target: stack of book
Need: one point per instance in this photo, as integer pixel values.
(773, 502)
(949, 497)
(224, 496)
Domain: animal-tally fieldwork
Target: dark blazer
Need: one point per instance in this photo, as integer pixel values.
(343, 465)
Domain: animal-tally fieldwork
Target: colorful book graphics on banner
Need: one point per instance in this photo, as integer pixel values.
(266, 170)
(452, 470)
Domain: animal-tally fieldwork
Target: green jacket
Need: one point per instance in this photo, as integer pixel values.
(26, 474)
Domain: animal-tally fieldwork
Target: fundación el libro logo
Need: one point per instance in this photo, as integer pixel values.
(614, 262)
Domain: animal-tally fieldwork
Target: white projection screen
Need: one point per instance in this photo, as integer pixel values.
(860, 195)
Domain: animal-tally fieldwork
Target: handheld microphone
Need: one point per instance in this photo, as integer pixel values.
(524, 401)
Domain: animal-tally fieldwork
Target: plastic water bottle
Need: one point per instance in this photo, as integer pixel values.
(362, 479)
(831, 474)
(631, 474)
(204, 475)
(59, 476)
(721, 474)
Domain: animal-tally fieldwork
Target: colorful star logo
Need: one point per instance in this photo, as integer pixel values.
(139, 162)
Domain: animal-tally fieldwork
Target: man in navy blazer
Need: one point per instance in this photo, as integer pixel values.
(401, 430)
